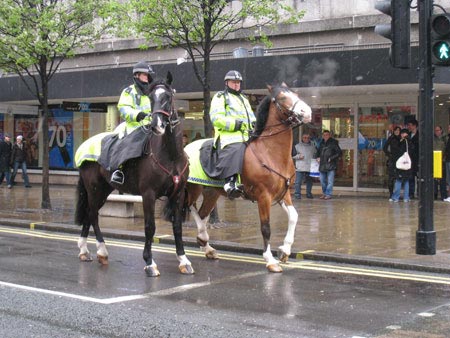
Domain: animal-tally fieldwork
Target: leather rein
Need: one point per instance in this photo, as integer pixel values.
(290, 120)
(176, 179)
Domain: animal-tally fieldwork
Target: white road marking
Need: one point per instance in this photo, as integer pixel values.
(302, 265)
(112, 300)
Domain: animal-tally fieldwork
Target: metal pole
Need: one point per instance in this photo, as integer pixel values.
(425, 235)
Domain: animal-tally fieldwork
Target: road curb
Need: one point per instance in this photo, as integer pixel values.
(237, 248)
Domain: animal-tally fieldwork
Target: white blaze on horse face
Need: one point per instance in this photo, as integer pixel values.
(159, 128)
(159, 125)
(300, 108)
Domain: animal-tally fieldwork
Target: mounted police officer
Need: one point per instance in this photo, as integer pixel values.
(232, 118)
(134, 106)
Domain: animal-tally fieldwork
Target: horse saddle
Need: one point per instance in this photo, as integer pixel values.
(116, 151)
(222, 163)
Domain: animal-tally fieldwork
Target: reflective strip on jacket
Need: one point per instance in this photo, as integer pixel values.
(131, 103)
(226, 109)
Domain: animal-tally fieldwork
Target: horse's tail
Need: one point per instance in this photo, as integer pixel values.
(172, 204)
(81, 211)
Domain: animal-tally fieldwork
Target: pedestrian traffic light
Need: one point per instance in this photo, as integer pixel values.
(398, 31)
(440, 39)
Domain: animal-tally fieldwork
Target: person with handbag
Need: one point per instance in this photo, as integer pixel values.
(403, 172)
(304, 153)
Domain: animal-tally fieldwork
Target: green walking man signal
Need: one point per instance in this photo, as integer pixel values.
(440, 39)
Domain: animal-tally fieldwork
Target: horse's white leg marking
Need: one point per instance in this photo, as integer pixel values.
(183, 260)
(202, 233)
(268, 257)
(82, 244)
(101, 249)
(292, 223)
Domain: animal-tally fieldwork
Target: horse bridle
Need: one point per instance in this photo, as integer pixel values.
(173, 122)
(292, 119)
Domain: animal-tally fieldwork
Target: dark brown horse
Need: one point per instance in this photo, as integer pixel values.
(161, 171)
(268, 172)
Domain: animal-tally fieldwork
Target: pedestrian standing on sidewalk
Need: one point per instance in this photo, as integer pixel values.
(18, 159)
(5, 159)
(304, 153)
(402, 177)
(414, 153)
(328, 155)
(390, 147)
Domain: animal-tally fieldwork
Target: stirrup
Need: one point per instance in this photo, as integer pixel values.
(233, 191)
(117, 177)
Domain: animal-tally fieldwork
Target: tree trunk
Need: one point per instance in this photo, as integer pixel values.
(45, 203)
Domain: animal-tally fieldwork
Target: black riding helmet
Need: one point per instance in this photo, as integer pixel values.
(235, 76)
(143, 67)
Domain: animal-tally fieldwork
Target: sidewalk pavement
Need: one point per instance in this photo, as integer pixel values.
(353, 227)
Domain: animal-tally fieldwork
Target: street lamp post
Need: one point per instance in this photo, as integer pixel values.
(425, 235)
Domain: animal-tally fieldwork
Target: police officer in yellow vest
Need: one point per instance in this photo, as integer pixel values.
(134, 106)
(232, 118)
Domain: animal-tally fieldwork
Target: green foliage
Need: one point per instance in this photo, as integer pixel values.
(199, 25)
(36, 35)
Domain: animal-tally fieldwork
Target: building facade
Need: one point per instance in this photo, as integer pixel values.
(332, 57)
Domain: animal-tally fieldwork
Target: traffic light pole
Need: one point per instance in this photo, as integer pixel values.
(425, 235)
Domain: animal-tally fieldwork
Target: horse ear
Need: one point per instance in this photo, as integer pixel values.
(169, 78)
(284, 84)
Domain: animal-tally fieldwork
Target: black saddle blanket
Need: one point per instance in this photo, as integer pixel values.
(222, 163)
(117, 151)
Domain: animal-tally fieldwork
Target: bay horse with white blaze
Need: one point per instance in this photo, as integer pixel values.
(161, 171)
(267, 172)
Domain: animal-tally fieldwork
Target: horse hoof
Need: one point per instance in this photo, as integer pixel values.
(274, 268)
(85, 258)
(212, 254)
(283, 257)
(103, 260)
(152, 271)
(186, 269)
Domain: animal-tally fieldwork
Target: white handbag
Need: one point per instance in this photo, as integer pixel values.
(314, 169)
(404, 162)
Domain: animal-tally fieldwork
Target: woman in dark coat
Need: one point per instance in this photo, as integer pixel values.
(5, 158)
(401, 176)
(392, 146)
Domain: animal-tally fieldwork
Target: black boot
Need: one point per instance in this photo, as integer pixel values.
(232, 189)
(117, 177)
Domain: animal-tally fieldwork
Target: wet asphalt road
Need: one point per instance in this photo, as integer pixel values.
(46, 292)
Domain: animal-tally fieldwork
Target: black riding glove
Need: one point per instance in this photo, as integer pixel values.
(140, 116)
(238, 125)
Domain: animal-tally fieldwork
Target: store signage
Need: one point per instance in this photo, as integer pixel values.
(85, 107)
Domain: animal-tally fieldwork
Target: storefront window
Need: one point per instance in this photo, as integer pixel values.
(340, 121)
(375, 125)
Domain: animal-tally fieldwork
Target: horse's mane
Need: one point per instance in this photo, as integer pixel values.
(262, 113)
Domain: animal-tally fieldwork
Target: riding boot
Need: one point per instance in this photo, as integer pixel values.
(117, 177)
(232, 189)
